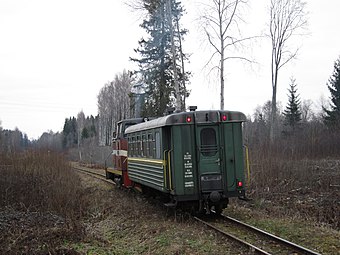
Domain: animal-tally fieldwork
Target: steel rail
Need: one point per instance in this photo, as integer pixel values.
(87, 169)
(296, 247)
(230, 236)
(287, 243)
(92, 174)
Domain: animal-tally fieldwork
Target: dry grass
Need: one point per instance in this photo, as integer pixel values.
(46, 208)
(293, 186)
(298, 174)
(43, 207)
(125, 222)
(41, 203)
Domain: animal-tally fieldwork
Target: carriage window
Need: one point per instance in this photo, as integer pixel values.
(158, 145)
(118, 130)
(208, 142)
(138, 146)
(133, 151)
(149, 146)
(143, 145)
(129, 146)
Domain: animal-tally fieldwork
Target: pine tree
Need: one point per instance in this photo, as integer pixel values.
(84, 133)
(332, 115)
(292, 112)
(156, 60)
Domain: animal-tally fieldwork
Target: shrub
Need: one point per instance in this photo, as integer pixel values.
(41, 181)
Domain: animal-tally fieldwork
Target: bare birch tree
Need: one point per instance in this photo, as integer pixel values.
(105, 110)
(80, 126)
(221, 22)
(287, 20)
(306, 110)
(113, 105)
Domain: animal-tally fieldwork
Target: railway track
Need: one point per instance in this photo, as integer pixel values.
(257, 240)
(98, 174)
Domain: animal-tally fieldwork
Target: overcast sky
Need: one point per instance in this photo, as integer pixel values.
(55, 56)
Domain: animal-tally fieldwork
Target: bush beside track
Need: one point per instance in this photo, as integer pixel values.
(42, 202)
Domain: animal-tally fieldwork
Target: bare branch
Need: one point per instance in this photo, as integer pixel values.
(291, 56)
(236, 41)
(231, 18)
(241, 58)
(211, 42)
(210, 59)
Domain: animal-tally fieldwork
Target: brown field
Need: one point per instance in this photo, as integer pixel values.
(309, 189)
(47, 208)
(42, 203)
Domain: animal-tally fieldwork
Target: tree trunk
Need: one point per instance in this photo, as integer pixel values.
(286, 18)
(273, 123)
(222, 83)
(183, 106)
(173, 51)
(222, 60)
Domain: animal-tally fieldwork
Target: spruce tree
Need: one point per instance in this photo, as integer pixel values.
(84, 133)
(70, 136)
(332, 115)
(155, 60)
(292, 112)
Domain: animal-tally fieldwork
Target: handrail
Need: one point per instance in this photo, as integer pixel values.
(169, 170)
(164, 166)
(247, 164)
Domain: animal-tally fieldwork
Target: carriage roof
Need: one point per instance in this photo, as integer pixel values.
(181, 118)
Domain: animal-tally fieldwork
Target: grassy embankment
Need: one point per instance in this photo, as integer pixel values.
(46, 208)
(41, 203)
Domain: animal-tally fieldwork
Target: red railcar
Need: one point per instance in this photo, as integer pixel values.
(118, 173)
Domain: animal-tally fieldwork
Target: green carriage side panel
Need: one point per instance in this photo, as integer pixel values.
(238, 146)
(176, 162)
(189, 158)
(147, 172)
(229, 156)
(183, 158)
(233, 154)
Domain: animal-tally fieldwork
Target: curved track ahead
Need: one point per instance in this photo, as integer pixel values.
(265, 243)
(95, 173)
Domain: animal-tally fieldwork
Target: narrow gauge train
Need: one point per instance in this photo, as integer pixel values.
(195, 158)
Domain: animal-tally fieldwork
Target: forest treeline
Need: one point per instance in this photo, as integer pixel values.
(303, 130)
(160, 81)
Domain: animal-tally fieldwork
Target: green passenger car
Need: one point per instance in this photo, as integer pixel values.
(195, 157)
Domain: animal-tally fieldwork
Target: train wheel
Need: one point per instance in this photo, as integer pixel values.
(197, 209)
(218, 209)
(109, 175)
